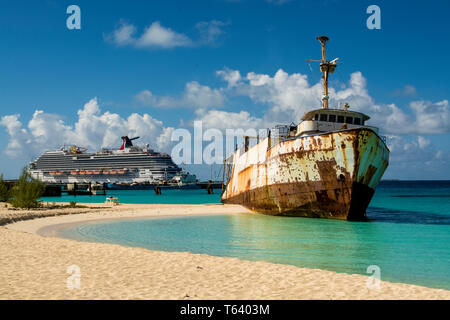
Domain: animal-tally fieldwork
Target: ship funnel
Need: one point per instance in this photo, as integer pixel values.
(126, 142)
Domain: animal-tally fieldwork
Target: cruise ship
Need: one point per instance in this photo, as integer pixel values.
(127, 165)
(327, 166)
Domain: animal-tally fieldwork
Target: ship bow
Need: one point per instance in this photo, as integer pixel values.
(371, 157)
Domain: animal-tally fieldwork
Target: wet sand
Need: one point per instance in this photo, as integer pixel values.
(35, 266)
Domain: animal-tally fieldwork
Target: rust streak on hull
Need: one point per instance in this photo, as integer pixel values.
(330, 175)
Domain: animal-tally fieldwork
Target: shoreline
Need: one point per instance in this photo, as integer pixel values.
(95, 213)
(37, 264)
(52, 230)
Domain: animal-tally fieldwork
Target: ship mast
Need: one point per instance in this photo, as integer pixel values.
(326, 67)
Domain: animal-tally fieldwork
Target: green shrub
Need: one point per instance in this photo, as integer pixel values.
(72, 204)
(4, 190)
(27, 191)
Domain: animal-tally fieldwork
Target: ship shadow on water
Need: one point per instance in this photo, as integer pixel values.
(376, 214)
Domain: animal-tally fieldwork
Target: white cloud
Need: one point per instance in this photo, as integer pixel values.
(93, 129)
(423, 142)
(210, 31)
(431, 117)
(406, 91)
(194, 95)
(146, 97)
(289, 96)
(281, 98)
(200, 96)
(229, 120)
(165, 139)
(286, 97)
(123, 35)
(415, 156)
(156, 36)
(18, 136)
(231, 76)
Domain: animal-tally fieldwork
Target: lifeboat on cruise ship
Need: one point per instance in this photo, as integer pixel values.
(52, 173)
(113, 171)
(121, 171)
(58, 173)
(96, 172)
(74, 172)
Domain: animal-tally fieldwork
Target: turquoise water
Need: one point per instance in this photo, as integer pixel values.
(408, 235)
(174, 196)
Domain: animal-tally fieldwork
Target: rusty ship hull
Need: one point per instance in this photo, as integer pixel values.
(326, 175)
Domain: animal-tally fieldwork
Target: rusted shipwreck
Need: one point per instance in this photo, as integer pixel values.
(327, 167)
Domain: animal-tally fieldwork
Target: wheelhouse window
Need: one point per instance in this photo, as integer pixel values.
(316, 116)
(357, 121)
(340, 119)
(323, 117)
(332, 118)
(349, 120)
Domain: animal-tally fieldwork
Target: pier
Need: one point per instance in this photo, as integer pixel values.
(210, 184)
(57, 189)
(89, 189)
(74, 189)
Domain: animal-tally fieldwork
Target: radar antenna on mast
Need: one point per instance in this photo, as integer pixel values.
(326, 67)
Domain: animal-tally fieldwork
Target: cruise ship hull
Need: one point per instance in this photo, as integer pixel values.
(126, 167)
(328, 175)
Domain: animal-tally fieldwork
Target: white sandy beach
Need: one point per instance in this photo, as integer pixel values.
(35, 266)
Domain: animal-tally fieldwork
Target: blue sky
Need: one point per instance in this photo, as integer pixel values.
(45, 66)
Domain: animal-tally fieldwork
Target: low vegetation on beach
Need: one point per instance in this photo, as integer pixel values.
(26, 192)
(4, 190)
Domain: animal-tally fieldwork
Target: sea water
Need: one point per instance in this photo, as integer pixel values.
(407, 235)
(167, 196)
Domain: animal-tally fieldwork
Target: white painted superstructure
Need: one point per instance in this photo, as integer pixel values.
(130, 164)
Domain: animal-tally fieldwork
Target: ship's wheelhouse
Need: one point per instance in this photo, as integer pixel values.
(326, 120)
